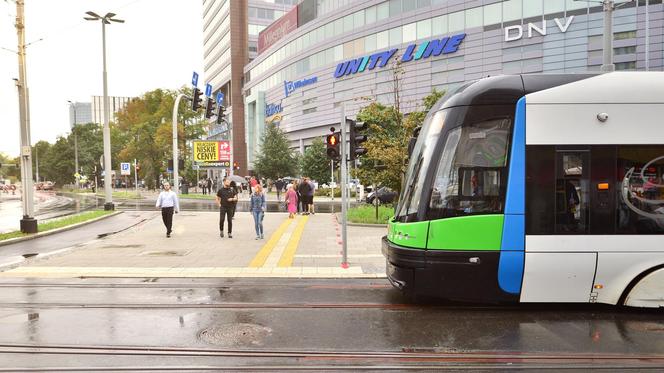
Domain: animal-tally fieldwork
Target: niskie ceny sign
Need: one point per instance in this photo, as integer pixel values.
(427, 49)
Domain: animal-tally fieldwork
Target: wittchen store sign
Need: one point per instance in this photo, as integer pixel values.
(277, 30)
(415, 52)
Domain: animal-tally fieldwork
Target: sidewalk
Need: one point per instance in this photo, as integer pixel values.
(308, 246)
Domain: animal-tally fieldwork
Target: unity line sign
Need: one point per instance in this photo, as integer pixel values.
(212, 153)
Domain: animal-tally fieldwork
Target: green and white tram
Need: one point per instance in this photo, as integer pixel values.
(537, 188)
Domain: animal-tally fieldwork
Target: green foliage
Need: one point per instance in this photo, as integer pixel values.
(367, 214)
(275, 158)
(389, 134)
(145, 131)
(10, 172)
(314, 163)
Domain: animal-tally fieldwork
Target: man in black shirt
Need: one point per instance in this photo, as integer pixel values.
(304, 188)
(226, 196)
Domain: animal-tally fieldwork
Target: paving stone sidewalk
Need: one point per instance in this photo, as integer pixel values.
(307, 246)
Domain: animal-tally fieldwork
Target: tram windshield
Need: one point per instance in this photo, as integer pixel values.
(470, 170)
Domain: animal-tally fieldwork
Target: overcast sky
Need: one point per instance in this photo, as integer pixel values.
(158, 46)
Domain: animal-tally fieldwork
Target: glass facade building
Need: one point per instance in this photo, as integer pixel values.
(500, 37)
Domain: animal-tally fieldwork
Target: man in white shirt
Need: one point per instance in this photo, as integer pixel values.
(168, 202)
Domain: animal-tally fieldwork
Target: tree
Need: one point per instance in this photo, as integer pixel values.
(10, 168)
(275, 158)
(389, 135)
(144, 127)
(314, 163)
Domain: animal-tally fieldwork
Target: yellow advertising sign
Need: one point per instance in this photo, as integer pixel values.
(206, 151)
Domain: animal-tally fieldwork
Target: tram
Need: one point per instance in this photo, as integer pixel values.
(536, 188)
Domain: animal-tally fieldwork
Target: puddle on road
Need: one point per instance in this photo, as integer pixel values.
(236, 334)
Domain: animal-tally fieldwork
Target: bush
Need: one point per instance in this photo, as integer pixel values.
(367, 214)
(326, 193)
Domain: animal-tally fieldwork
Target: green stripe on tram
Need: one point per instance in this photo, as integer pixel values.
(476, 232)
(408, 234)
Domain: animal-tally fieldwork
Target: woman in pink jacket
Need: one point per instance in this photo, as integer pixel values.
(291, 201)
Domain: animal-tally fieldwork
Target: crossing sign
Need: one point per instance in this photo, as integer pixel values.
(125, 168)
(220, 98)
(194, 79)
(208, 89)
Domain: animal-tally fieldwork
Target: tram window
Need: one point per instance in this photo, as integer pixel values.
(640, 188)
(470, 177)
(540, 189)
(572, 181)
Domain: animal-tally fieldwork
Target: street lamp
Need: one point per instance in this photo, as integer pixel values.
(73, 106)
(105, 20)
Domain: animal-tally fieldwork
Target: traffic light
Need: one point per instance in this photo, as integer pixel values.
(356, 138)
(221, 114)
(197, 100)
(209, 108)
(236, 166)
(332, 143)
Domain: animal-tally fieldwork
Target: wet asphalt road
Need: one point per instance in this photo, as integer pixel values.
(283, 324)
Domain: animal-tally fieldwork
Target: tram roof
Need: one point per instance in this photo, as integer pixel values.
(506, 89)
(616, 88)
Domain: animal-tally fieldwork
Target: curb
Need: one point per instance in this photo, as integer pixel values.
(58, 230)
(366, 225)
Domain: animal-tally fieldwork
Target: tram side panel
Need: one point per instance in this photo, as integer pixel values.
(578, 243)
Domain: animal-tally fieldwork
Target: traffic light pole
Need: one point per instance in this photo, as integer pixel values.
(176, 176)
(344, 189)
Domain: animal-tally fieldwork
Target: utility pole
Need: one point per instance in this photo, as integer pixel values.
(28, 223)
(344, 189)
(607, 63)
(73, 105)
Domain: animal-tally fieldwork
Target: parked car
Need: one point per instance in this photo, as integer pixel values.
(382, 195)
(48, 185)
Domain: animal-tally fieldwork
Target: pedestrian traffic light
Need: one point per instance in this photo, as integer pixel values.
(197, 100)
(332, 142)
(356, 138)
(236, 166)
(209, 108)
(221, 114)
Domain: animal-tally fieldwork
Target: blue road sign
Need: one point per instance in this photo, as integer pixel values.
(220, 98)
(194, 79)
(208, 89)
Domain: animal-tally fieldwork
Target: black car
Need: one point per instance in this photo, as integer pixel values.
(385, 195)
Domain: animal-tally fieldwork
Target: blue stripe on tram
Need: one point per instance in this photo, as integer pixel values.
(512, 248)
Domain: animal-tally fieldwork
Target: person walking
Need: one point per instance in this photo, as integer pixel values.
(310, 196)
(291, 202)
(225, 198)
(209, 185)
(169, 204)
(279, 184)
(296, 188)
(236, 190)
(257, 208)
(304, 189)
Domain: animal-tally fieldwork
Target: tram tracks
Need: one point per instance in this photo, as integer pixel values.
(312, 360)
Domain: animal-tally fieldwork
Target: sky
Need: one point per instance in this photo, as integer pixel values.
(159, 46)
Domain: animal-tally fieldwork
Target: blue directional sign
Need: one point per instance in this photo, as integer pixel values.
(194, 79)
(208, 89)
(220, 98)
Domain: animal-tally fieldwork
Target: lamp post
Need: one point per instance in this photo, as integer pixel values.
(105, 20)
(73, 105)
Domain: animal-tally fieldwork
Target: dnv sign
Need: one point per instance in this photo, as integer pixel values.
(427, 49)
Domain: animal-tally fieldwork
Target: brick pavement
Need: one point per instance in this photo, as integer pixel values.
(308, 246)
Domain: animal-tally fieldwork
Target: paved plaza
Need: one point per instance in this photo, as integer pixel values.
(307, 246)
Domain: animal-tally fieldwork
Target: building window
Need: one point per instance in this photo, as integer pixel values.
(624, 50)
(512, 10)
(624, 35)
(309, 101)
(309, 111)
(626, 65)
(493, 14)
(532, 8)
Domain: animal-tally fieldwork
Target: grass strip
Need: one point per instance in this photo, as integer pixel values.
(59, 223)
(367, 214)
(196, 196)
